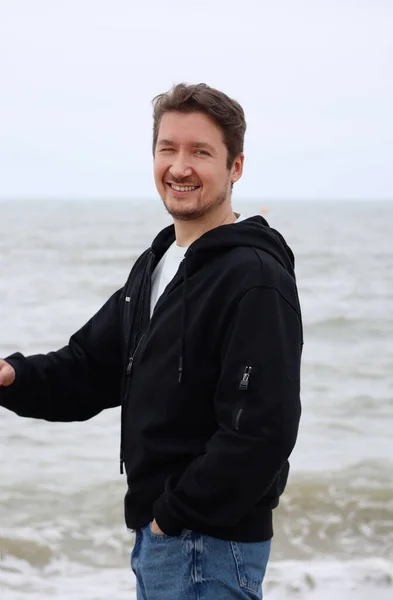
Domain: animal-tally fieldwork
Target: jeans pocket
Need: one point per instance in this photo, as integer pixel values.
(157, 536)
(163, 536)
(251, 560)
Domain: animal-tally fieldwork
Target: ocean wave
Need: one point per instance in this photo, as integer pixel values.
(347, 327)
(347, 514)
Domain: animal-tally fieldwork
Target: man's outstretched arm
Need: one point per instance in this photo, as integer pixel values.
(74, 383)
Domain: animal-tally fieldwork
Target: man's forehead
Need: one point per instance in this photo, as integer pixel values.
(195, 129)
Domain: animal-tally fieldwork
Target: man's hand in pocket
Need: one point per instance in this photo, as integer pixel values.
(155, 528)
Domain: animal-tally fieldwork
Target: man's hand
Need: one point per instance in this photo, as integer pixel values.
(7, 373)
(155, 528)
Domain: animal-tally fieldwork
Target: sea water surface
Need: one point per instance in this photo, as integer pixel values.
(61, 497)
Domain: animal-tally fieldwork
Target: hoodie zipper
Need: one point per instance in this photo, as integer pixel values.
(243, 387)
(138, 317)
(131, 359)
(130, 365)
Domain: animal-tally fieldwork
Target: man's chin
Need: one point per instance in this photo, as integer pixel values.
(182, 213)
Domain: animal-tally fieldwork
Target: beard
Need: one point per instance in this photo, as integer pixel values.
(196, 211)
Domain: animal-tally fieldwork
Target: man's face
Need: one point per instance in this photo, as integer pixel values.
(190, 165)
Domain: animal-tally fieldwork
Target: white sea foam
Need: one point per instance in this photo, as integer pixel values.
(285, 580)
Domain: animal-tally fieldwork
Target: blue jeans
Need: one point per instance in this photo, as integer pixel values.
(195, 566)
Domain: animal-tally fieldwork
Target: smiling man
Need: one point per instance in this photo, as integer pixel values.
(202, 349)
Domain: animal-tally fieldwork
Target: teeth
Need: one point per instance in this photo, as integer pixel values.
(179, 188)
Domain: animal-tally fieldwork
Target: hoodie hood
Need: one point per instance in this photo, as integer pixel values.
(254, 232)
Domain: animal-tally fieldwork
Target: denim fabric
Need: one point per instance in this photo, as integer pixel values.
(194, 566)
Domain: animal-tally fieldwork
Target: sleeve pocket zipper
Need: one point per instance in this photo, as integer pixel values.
(243, 387)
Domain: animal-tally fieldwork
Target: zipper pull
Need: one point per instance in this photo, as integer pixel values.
(129, 366)
(239, 414)
(245, 379)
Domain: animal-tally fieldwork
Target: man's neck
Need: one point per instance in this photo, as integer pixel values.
(189, 231)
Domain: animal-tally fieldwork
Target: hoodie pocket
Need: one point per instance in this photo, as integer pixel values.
(242, 397)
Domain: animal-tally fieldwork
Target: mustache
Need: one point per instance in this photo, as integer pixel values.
(182, 181)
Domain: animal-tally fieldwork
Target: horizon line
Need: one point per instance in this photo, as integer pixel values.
(151, 199)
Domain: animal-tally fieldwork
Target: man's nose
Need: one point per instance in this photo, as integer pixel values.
(180, 168)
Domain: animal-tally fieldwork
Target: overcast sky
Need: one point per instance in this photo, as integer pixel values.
(315, 78)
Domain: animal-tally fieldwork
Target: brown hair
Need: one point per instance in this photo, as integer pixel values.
(225, 112)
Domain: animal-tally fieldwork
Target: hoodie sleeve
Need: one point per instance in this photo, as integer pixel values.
(76, 382)
(257, 406)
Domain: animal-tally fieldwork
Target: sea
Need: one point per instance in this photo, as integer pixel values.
(62, 529)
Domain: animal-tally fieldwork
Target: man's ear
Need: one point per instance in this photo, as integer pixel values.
(237, 168)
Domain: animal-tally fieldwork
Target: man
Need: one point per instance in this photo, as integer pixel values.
(202, 349)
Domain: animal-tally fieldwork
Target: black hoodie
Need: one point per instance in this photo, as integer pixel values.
(209, 386)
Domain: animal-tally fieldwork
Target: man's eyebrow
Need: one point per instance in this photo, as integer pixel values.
(203, 145)
(165, 142)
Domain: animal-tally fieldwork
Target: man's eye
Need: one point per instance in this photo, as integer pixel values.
(166, 150)
(202, 152)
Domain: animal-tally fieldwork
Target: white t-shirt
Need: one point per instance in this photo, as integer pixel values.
(167, 269)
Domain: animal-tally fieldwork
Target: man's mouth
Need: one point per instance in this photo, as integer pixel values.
(183, 188)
